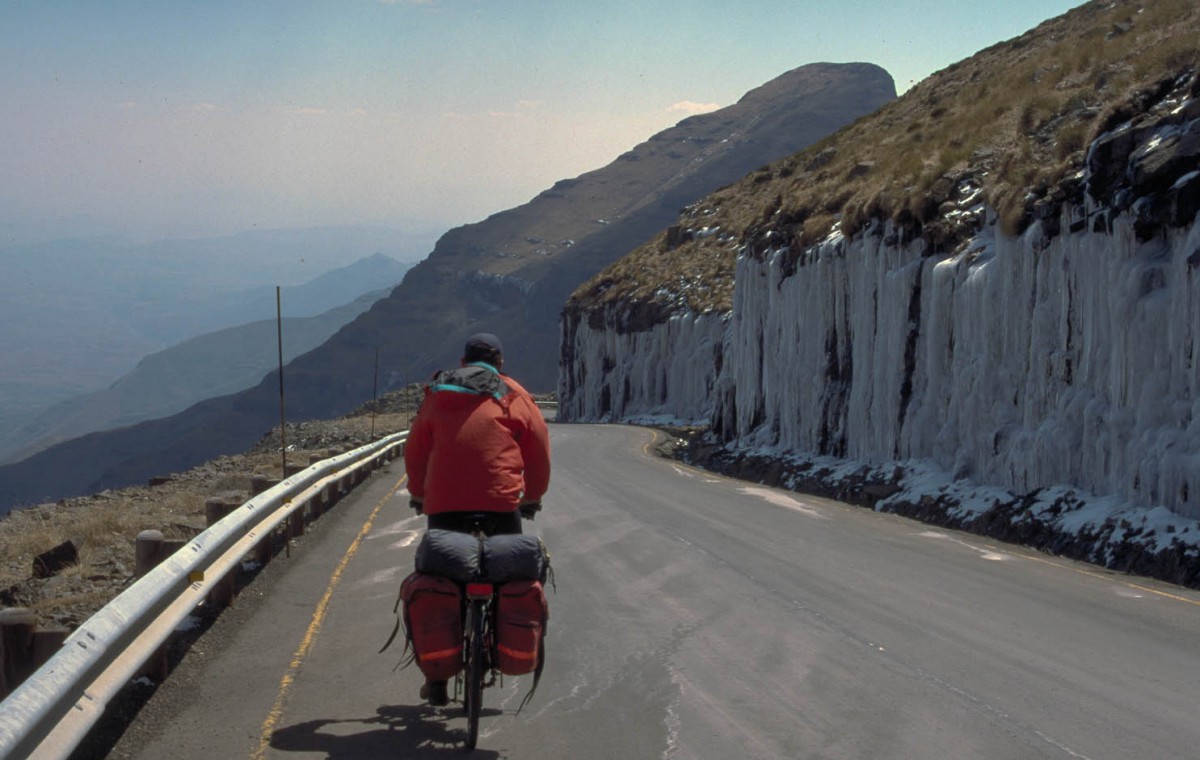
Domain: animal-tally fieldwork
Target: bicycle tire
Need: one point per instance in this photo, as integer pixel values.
(474, 695)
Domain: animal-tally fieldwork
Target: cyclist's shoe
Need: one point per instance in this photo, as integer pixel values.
(434, 692)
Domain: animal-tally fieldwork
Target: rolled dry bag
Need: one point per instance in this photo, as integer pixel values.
(450, 554)
(516, 557)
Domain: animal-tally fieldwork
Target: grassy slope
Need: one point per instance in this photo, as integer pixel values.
(1015, 117)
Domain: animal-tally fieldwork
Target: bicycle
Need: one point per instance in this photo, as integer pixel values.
(479, 638)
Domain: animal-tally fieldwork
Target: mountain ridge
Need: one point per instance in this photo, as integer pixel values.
(79, 313)
(997, 331)
(509, 274)
(168, 381)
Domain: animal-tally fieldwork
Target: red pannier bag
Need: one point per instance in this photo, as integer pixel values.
(433, 621)
(521, 616)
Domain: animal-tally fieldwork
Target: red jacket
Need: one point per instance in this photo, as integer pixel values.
(479, 443)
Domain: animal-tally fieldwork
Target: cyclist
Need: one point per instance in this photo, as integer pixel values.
(479, 443)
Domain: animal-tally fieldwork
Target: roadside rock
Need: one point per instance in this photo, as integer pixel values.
(54, 561)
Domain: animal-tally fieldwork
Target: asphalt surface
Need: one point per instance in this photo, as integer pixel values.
(699, 617)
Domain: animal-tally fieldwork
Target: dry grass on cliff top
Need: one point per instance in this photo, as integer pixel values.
(1017, 115)
(103, 526)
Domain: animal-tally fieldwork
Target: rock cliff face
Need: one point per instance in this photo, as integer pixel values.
(1019, 363)
(1057, 349)
(669, 371)
(509, 274)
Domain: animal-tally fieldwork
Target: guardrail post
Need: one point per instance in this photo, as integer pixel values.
(216, 508)
(221, 595)
(260, 483)
(24, 648)
(296, 522)
(316, 505)
(16, 647)
(151, 548)
(148, 550)
(266, 547)
(47, 641)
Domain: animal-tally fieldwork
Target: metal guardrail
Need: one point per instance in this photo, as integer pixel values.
(50, 713)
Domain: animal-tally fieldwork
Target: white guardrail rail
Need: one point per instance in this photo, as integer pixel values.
(50, 713)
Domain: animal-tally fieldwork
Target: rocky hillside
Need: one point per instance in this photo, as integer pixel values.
(512, 272)
(508, 274)
(100, 528)
(1010, 126)
(996, 276)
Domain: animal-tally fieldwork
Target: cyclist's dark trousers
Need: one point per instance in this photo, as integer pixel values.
(496, 523)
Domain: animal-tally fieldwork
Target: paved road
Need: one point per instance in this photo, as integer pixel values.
(698, 617)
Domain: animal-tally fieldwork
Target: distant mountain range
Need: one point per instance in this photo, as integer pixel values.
(509, 274)
(77, 314)
(169, 381)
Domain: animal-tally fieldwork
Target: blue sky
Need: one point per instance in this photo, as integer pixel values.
(173, 118)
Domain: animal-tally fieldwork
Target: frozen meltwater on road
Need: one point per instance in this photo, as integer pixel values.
(781, 499)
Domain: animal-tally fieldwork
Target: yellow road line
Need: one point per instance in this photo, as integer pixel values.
(651, 443)
(314, 627)
(1063, 564)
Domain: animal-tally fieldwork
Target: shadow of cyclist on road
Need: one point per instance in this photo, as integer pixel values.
(394, 731)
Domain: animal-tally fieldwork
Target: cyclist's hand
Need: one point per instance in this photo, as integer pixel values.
(418, 506)
(530, 509)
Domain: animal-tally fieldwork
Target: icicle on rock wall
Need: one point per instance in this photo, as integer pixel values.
(666, 371)
(1021, 362)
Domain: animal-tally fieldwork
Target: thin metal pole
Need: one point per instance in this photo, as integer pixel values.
(375, 393)
(279, 334)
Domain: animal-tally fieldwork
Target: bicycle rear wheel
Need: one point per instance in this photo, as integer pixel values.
(473, 699)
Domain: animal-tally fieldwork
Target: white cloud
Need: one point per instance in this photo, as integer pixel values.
(689, 107)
